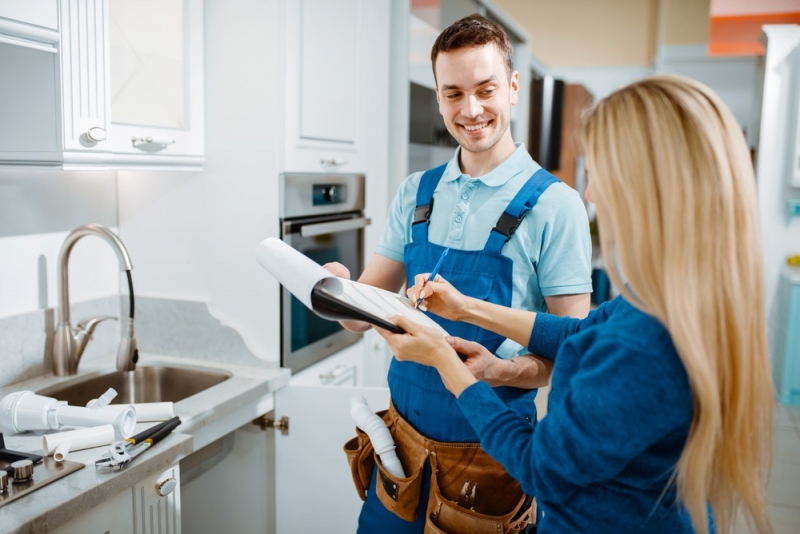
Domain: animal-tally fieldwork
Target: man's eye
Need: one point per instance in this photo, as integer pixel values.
(452, 96)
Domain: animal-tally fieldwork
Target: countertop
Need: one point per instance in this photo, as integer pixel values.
(205, 417)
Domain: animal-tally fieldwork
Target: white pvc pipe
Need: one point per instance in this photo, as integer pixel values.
(124, 422)
(147, 411)
(58, 445)
(378, 433)
(24, 410)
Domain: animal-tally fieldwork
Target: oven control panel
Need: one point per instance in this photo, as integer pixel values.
(329, 194)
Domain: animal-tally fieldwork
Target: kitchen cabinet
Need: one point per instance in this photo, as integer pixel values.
(309, 456)
(62, 84)
(153, 505)
(156, 83)
(52, 103)
(326, 58)
(787, 354)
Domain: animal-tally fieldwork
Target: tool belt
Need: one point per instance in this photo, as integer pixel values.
(470, 492)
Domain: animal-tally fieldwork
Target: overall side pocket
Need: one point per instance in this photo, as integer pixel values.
(361, 458)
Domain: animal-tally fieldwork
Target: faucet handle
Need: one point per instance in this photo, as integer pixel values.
(90, 323)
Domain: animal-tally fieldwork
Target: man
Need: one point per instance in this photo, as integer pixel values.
(475, 205)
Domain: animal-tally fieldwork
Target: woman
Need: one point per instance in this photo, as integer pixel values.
(660, 414)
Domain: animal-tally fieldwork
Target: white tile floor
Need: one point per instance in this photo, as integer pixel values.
(783, 490)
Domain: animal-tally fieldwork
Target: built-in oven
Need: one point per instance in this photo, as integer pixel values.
(322, 216)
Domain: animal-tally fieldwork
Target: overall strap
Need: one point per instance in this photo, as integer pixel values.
(519, 206)
(424, 207)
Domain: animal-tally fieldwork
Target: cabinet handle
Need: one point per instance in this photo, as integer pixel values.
(332, 162)
(96, 134)
(166, 487)
(151, 144)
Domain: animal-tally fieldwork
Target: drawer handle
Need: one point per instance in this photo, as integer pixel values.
(334, 162)
(151, 144)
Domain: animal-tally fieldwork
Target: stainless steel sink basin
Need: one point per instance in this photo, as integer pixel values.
(145, 384)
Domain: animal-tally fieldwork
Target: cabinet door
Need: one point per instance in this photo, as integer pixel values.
(84, 81)
(138, 510)
(156, 82)
(324, 73)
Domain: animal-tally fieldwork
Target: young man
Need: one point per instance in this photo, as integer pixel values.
(517, 236)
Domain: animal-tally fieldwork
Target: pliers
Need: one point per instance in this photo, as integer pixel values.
(123, 452)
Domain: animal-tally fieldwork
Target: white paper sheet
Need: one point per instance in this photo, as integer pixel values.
(300, 275)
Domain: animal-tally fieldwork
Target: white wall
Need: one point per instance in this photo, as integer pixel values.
(195, 234)
(38, 209)
(779, 112)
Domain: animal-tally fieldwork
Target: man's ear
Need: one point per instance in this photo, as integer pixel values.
(514, 88)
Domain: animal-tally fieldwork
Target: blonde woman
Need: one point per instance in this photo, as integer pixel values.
(660, 414)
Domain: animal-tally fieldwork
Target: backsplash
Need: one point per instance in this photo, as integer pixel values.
(168, 327)
(25, 340)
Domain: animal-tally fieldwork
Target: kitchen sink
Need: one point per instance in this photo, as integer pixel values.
(144, 384)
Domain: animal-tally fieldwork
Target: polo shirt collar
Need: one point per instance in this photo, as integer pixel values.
(498, 176)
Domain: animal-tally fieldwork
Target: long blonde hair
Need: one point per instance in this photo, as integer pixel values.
(676, 203)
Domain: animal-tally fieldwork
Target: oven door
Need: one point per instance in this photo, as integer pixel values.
(307, 338)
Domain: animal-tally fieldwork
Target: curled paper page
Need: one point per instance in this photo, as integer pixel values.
(335, 298)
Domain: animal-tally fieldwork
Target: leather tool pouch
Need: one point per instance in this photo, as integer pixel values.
(470, 492)
(361, 458)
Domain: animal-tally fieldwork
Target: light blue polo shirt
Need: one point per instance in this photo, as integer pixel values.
(551, 249)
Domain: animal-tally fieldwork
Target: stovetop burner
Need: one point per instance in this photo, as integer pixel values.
(17, 467)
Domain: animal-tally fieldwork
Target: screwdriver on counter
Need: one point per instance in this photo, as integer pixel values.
(433, 275)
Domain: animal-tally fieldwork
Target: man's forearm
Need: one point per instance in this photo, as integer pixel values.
(528, 371)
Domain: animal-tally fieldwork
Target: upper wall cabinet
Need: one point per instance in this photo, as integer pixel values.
(156, 82)
(39, 126)
(325, 73)
(101, 83)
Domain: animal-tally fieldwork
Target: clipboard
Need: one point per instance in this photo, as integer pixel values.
(328, 306)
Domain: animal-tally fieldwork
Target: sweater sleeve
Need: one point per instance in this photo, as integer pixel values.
(620, 403)
(549, 331)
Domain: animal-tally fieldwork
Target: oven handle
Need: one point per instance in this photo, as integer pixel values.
(310, 230)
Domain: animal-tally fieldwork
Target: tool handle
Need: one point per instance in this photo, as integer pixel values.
(144, 434)
(168, 427)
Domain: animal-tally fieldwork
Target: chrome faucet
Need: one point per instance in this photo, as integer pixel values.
(69, 343)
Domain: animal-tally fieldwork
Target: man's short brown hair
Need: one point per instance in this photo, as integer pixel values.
(473, 30)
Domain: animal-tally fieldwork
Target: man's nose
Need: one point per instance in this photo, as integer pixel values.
(472, 108)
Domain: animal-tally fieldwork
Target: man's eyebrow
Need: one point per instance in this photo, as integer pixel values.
(492, 78)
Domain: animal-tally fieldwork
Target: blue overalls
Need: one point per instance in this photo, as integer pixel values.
(417, 391)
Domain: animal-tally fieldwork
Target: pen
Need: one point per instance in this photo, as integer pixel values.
(433, 274)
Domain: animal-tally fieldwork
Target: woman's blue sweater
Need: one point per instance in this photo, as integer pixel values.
(619, 412)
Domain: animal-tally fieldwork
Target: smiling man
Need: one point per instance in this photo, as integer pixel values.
(516, 236)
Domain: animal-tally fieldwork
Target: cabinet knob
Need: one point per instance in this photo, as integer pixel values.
(96, 134)
(332, 162)
(165, 487)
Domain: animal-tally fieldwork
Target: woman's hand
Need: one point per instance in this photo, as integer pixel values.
(438, 297)
(429, 347)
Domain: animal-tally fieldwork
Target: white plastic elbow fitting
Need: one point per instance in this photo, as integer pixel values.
(378, 433)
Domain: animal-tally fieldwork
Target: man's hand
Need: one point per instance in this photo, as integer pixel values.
(337, 269)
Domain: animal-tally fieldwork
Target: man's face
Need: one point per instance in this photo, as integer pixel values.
(475, 95)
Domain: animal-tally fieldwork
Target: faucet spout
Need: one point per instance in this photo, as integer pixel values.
(69, 343)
